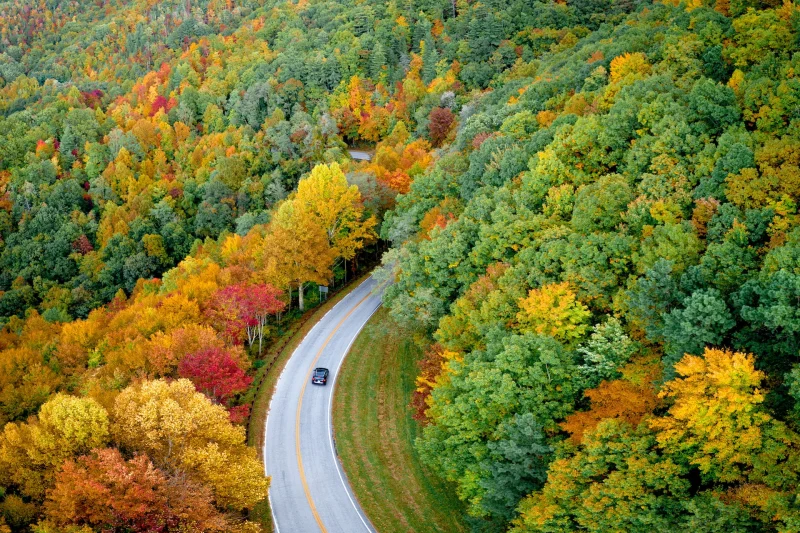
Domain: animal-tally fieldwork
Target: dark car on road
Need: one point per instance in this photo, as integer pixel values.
(320, 376)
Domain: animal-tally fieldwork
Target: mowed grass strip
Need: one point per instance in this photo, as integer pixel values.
(375, 435)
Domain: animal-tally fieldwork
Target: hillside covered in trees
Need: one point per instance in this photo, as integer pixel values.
(592, 208)
(606, 256)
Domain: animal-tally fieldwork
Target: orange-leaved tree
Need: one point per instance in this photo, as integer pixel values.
(105, 491)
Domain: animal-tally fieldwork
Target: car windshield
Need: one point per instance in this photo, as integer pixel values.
(319, 372)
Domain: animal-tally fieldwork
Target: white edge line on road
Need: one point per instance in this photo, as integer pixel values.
(269, 490)
(277, 383)
(330, 424)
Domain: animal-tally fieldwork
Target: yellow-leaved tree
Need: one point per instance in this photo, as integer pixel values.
(336, 207)
(31, 453)
(320, 224)
(717, 421)
(296, 251)
(629, 64)
(553, 310)
(180, 428)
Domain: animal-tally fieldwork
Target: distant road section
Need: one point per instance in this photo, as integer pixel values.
(360, 155)
(309, 491)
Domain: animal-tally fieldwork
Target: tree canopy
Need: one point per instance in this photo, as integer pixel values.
(592, 213)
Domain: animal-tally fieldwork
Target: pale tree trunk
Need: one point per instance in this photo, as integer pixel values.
(262, 323)
(251, 335)
(300, 297)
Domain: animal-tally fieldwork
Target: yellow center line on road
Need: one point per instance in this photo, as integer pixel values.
(297, 417)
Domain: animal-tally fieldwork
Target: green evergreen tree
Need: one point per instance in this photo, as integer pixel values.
(430, 57)
(377, 61)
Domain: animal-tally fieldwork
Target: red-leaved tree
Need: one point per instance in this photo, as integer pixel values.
(215, 373)
(262, 302)
(247, 308)
(439, 123)
(239, 413)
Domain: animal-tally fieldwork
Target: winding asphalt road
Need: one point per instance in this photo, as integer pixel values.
(309, 491)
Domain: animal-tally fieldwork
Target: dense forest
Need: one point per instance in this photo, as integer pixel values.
(607, 256)
(592, 208)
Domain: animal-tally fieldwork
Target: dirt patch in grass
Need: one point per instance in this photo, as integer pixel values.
(375, 435)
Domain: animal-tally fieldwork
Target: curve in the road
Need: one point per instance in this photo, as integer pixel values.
(309, 490)
(360, 155)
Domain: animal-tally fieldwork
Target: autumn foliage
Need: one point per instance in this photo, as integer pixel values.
(553, 310)
(105, 490)
(189, 324)
(215, 373)
(628, 65)
(440, 123)
(244, 309)
(593, 216)
(431, 367)
(618, 399)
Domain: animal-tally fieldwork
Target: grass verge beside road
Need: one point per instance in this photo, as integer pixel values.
(375, 435)
(280, 352)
